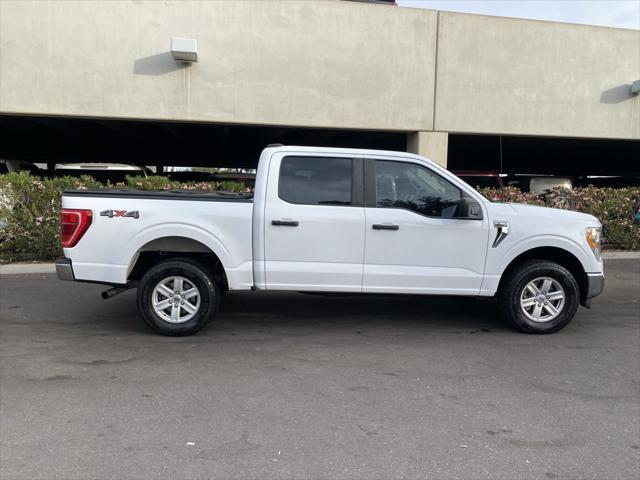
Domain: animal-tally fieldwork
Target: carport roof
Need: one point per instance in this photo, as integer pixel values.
(41, 139)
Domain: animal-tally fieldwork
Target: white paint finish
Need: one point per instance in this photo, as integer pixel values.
(98, 272)
(535, 227)
(224, 227)
(314, 276)
(324, 64)
(240, 277)
(259, 218)
(503, 75)
(334, 248)
(425, 255)
(323, 253)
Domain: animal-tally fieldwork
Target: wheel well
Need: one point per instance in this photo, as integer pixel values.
(173, 247)
(554, 254)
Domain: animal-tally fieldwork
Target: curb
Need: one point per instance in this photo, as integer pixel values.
(27, 268)
(621, 255)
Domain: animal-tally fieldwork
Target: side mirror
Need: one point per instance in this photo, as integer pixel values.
(469, 209)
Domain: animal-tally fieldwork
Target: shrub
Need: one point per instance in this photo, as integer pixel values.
(29, 214)
(614, 207)
(511, 194)
(30, 207)
(163, 183)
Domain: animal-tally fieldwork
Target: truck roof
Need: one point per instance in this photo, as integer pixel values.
(340, 150)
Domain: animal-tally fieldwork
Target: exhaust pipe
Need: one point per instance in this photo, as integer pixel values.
(112, 292)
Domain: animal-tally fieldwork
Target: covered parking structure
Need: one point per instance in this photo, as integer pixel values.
(51, 140)
(471, 92)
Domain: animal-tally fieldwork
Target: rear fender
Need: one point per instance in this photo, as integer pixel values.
(176, 230)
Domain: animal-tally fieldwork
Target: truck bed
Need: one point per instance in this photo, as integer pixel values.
(125, 221)
(163, 194)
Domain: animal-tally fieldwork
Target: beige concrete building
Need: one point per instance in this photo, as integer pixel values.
(369, 73)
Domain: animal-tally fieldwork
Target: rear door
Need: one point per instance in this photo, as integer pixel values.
(314, 223)
(415, 241)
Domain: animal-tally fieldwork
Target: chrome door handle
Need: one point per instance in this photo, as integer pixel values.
(385, 226)
(285, 223)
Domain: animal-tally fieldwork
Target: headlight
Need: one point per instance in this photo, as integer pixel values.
(594, 237)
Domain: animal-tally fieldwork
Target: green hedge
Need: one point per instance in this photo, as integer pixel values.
(614, 207)
(29, 209)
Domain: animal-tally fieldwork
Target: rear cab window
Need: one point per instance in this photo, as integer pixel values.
(316, 181)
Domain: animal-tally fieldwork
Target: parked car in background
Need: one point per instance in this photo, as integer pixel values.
(544, 184)
(539, 184)
(616, 181)
(481, 179)
(100, 167)
(17, 165)
(332, 220)
(113, 172)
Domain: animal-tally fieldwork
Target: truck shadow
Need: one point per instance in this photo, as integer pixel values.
(297, 310)
(286, 313)
(291, 314)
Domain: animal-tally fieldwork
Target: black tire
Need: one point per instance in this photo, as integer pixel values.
(517, 280)
(194, 275)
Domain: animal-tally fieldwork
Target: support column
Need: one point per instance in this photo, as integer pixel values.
(433, 145)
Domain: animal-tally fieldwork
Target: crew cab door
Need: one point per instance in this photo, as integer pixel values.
(314, 225)
(416, 238)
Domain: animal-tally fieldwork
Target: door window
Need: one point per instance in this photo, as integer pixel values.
(315, 180)
(416, 188)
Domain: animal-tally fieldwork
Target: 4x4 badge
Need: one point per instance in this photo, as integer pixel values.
(120, 213)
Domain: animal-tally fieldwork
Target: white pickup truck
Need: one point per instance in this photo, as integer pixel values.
(332, 220)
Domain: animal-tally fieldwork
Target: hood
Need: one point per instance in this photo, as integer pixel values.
(553, 213)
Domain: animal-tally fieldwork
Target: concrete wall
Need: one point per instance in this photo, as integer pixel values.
(326, 63)
(319, 64)
(433, 145)
(500, 75)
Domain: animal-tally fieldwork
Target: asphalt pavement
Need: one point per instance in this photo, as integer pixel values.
(300, 386)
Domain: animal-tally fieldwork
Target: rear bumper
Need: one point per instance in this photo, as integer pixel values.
(64, 269)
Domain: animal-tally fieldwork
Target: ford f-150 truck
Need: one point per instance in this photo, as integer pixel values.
(332, 220)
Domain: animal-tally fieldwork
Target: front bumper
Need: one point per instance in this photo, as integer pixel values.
(595, 284)
(64, 269)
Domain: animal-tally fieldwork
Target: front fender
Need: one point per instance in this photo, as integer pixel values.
(498, 259)
(539, 241)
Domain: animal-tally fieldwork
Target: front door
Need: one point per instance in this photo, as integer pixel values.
(415, 240)
(314, 223)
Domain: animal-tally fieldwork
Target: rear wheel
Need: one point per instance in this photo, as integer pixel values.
(539, 296)
(177, 297)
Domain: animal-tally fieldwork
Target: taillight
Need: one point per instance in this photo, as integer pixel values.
(73, 225)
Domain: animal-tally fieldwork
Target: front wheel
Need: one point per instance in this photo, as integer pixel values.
(177, 297)
(539, 296)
